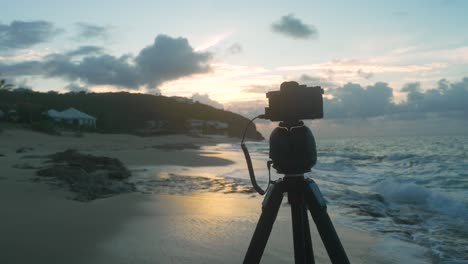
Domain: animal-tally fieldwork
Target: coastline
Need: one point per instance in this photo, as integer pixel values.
(40, 224)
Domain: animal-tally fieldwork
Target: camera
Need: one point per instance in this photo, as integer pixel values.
(294, 102)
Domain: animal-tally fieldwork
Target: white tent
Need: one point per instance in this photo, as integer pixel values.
(71, 115)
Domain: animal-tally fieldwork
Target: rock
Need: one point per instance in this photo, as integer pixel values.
(90, 177)
(90, 163)
(24, 149)
(25, 166)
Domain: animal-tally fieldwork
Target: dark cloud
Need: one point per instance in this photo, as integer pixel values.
(94, 70)
(293, 27)
(353, 100)
(166, 59)
(445, 98)
(411, 87)
(413, 91)
(27, 68)
(169, 59)
(23, 34)
(365, 75)
(75, 88)
(205, 99)
(85, 50)
(234, 49)
(88, 31)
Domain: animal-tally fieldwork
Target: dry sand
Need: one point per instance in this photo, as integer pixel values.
(39, 224)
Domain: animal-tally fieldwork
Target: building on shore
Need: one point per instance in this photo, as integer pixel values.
(72, 116)
(181, 99)
(197, 127)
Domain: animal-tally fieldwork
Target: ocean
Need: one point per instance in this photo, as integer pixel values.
(410, 188)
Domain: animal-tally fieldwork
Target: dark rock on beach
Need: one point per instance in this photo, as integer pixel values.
(90, 177)
(24, 166)
(24, 150)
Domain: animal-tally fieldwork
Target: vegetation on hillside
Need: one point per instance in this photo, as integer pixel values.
(122, 112)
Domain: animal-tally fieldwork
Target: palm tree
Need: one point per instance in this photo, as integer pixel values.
(4, 85)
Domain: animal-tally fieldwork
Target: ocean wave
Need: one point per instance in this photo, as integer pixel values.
(411, 193)
(393, 157)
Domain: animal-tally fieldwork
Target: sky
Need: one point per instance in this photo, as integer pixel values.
(393, 59)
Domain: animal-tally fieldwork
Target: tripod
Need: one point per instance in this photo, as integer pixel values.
(293, 152)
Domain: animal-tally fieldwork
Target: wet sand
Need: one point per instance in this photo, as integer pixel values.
(39, 224)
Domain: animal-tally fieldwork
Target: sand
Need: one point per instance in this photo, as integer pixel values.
(40, 224)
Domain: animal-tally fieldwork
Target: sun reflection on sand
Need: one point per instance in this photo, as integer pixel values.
(214, 204)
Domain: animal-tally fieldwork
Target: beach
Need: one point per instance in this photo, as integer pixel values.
(190, 216)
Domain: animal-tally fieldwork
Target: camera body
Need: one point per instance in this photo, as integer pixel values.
(294, 102)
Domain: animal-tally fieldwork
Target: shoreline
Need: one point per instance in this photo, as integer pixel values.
(42, 225)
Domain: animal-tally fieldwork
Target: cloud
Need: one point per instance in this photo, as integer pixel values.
(85, 50)
(213, 42)
(411, 87)
(293, 27)
(317, 81)
(166, 59)
(169, 59)
(23, 34)
(234, 49)
(90, 31)
(446, 97)
(261, 88)
(95, 70)
(353, 100)
(26, 55)
(365, 75)
(75, 88)
(205, 99)
(356, 66)
(22, 83)
(250, 109)
(25, 68)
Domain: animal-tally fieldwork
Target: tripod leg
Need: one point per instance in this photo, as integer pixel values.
(298, 227)
(270, 208)
(309, 251)
(301, 231)
(318, 210)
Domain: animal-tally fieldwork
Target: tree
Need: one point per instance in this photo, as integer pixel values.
(4, 85)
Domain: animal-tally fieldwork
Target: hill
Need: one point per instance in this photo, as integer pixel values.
(123, 112)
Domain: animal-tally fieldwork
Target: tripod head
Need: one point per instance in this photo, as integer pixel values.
(292, 148)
